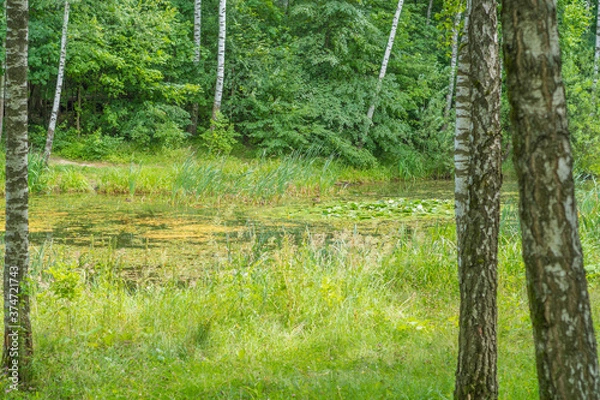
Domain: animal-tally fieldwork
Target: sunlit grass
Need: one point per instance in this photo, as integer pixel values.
(346, 313)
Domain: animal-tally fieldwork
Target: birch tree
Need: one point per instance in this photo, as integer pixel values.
(461, 136)
(382, 71)
(2, 92)
(478, 216)
(429, 8)
(565, 345)
(453, 60)
(18, 348)
(59, 83)
(597, 51)
(3, 82)
(220, 61)
(197, 45)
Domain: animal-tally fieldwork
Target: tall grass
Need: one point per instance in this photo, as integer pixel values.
(270, 315)
(193, 178)
(321, 315)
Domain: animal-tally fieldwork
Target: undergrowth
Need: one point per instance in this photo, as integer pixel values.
(346, 313)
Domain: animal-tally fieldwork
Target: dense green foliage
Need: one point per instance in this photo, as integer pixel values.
(299, 75)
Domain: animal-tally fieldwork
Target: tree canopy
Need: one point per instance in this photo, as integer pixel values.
(299, 75)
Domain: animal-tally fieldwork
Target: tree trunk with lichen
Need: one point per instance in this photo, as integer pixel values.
(565, 345)
(18, 348)
(478, 220)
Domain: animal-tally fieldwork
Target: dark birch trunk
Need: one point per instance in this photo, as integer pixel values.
(476, 375)
(18, 348)
(3, 83)
(2, 96)
(59, 84)
(565, 345)
(78, 114)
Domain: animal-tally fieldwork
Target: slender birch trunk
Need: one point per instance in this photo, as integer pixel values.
(477, 245)
(18, 346)
(429, 7)
(78, 117)
(597, 51)
(559, 304)
(2, 95)
(3, 83)
(453, 60)
(384, 64)
(220, 61)
(197, 44)
(59, 84)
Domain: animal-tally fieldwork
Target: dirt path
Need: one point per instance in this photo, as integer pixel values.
(62, 161)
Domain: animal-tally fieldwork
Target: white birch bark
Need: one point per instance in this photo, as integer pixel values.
(2, 95)
(384, 64)
(453, 61)
(462, 132)
(59, 83)
(220, 60)
(197, 45)
(429, 12)
(597, 51)
(197, 30)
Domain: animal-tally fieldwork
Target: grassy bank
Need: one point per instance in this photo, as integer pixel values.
(341, 314)
(183, 174)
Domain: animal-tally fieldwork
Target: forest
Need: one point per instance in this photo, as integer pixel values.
(299, 76)
(313, 199)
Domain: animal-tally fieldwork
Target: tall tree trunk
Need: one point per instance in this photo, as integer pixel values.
(565, 345)
(78, 113)
(597, 52)
(220, 61)
(429, 7)
(453, 60)
(18, 348)
(3, 83)
(476, 374)
(2, 96)
(59, 83)
(197, 44)
(384, 64)
(462, 136)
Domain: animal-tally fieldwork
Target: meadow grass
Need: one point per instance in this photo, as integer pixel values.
(186, 176)
(344, 314)
(348, 312)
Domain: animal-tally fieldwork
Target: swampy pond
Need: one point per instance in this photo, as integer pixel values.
(353, 295)
(150, 236)
(185, 236)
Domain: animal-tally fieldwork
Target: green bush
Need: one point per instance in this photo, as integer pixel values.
(156, 124)
(92, 147)
(221, 137)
